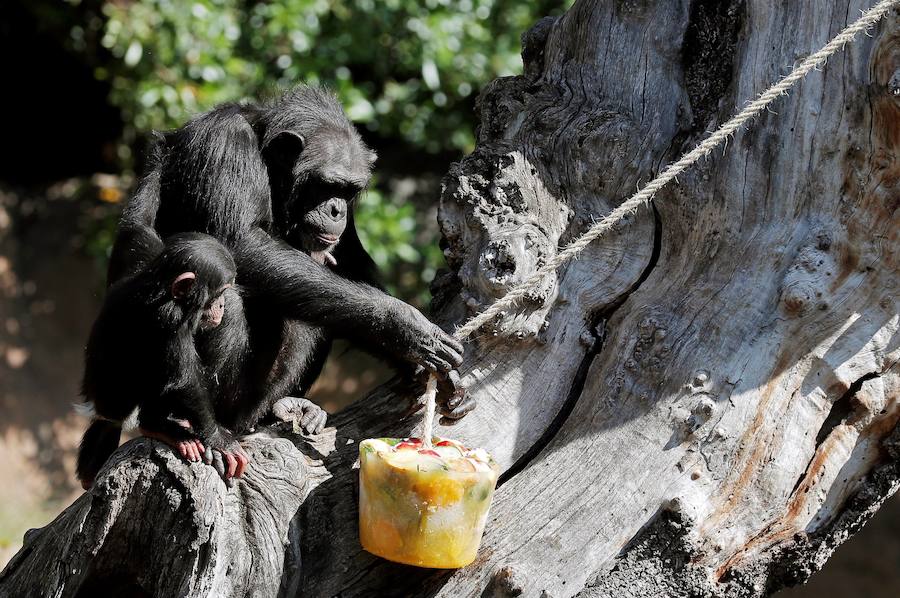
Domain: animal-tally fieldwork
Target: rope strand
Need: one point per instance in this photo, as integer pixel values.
(428, 419)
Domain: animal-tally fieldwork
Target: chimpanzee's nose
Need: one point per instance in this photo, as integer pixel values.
(337, 208)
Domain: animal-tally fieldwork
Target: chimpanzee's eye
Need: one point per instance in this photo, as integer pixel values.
(341, 190)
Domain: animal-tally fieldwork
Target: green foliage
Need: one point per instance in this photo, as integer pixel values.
(402, 241)
(403, 68)
(406, 70)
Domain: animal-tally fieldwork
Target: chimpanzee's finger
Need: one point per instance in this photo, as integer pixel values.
(200, 448)
(455, 399)
(448, 353)
(453, 356)
(241, 459)
(450, 416)
(231, 462)
(451, 387)
(219, 464)
(187, 449)
(317, 423)
(323, 419)
(208, 456)
(308, 418)
(453, 379)
(439, 364)
(452, 342)
(425, 362)
(282, 411)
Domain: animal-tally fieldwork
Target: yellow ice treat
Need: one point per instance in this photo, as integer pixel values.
(424, 507)
(438, 489)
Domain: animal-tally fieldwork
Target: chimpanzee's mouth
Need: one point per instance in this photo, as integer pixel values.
(327, 239)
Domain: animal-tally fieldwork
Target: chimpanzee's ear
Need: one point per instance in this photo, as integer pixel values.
(183, 284)
(284, 148)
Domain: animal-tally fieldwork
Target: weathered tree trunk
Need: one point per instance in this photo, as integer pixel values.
(704, 404)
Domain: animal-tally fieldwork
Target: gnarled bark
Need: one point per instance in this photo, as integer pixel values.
(704, 404)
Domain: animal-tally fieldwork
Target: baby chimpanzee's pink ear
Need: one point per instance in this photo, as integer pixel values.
(183, 284)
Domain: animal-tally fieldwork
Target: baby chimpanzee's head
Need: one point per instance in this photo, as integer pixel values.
(196, 270)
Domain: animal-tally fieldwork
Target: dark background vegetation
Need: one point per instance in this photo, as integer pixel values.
(86, 81)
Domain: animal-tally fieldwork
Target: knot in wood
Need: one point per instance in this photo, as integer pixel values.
(508, 581)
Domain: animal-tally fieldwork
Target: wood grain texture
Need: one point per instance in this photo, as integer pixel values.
(704, 404)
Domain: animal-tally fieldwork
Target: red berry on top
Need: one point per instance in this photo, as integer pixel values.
(409, 443)
(453, 444)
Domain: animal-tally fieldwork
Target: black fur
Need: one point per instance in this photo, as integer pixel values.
(276, 185)
(152, 349)
(97, 444)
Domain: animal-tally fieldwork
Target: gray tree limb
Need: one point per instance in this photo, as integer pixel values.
(704, 404)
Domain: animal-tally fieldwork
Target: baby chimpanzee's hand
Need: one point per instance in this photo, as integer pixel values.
(301, 412)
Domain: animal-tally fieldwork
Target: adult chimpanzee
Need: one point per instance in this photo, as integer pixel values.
(276, 185)
(160, 345)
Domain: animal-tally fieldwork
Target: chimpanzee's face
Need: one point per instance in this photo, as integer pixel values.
(329, 172)
(214, 310)
(321, 209)
(185, 291)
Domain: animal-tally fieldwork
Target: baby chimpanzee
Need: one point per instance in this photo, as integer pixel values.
(146, 353)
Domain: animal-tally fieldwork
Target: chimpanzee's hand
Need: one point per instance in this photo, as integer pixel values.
(303, 412)
(225, 455)
(452, 400)
(413, 337)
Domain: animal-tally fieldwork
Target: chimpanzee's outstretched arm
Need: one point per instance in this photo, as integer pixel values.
(305, 290)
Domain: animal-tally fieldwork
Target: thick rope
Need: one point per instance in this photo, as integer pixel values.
(428, 420)
(645, 195)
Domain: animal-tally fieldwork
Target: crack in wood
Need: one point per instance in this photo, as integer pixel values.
(841, 409)
(597, 328)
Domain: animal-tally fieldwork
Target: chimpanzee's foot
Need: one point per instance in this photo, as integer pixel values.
(225, 455)
(303, 412)
(177, 434)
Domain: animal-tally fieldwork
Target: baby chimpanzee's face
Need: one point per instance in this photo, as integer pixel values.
(214, 307)
(214, 311)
